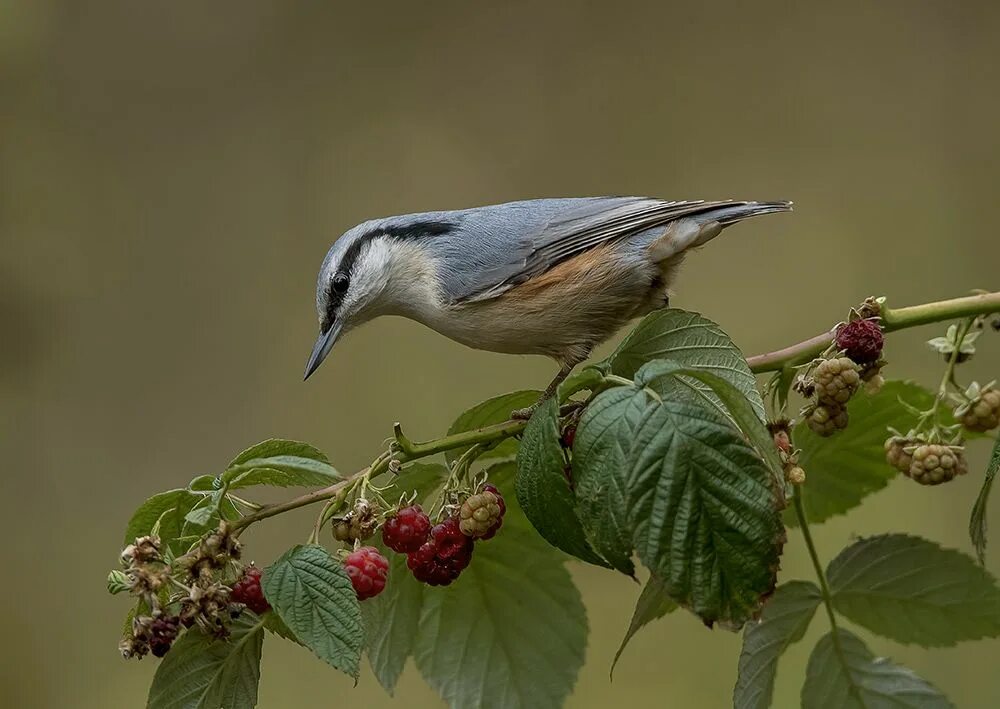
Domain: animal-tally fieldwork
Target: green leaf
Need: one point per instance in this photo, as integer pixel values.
(784, 621)
(844, 469)
(273, 623)
(313, 595)
(512, 630)
(913, 591)
(169, 509)
(704, 511)
(977, 520)
(201, 672)
(421, 478)
(738, 407)
(867, 682)
(600, 455)
(542, 487)
(117, 582)
(280, 463)
(391, 623)
(487, 413)
(693, 341)
(653, 603)
(205, 510)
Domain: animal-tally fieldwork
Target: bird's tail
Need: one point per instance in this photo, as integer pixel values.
(732, 213)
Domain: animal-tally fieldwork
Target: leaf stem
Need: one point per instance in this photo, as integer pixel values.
(825, 591)
(892, 320)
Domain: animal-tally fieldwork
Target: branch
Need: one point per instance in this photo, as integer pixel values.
(892, 320)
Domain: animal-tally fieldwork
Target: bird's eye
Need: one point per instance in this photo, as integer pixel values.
(340, 283)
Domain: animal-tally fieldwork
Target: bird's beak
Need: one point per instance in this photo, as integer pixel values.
(322, 348)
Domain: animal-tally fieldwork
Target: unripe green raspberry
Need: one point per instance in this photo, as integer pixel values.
(896, 455)
(982, 414)
(836, 381)
(478, 514)
(825, 420)
(934, 464)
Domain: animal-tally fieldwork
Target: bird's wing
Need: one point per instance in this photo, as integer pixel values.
(517, 241)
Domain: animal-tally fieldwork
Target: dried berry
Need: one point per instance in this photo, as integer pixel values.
(406, 530)
(368, 570)
(162, 634)
(861, 340)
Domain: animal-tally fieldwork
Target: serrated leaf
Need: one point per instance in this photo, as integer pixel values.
(512, 630)
(205, 510)
(653, 603)
(201, 672)
(600, 455)
(913, 591)
(420, 478)
(977, 520)
(273, 447)
(280, 463)
(784, 621)
(847, 467)
(117, 582)
(314, 597)
(169, 509)
(542, 487)
(704, 511)
(490, 412)
(391, 623)
(737, 406)
(867, 682)
(691, 340)
(274, 624)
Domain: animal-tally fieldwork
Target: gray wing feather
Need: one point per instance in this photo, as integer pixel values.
(517, 241)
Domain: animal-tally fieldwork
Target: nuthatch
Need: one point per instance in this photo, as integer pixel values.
(554, 277)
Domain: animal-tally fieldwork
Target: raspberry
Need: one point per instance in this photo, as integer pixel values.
(368, 570)
(836, 381)
(492, 531)
(861, 340)
(896, 455)
(795, 475)
(444, 556)
(982, 414)
(479, 513)
(162, 634)
(248, 592)
(934, 464)
(825, 420)
(568, 436)
(407, 530)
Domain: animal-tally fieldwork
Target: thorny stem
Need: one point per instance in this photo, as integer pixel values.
(892, 320)
(824, 590)
(406, 450)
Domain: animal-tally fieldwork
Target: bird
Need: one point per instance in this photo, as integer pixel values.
(553, 277)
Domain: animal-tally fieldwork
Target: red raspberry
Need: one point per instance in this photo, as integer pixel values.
(861, 340)
(490, 487)
(248, 592)
(407, 529)
(568, 436)
(368, 570)
(444, 556)
(162, 634)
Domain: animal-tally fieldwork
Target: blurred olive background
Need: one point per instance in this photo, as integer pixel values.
(172, 174)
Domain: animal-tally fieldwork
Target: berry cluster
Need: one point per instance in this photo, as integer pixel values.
(443, 556)
(853, 360)
(926, 463)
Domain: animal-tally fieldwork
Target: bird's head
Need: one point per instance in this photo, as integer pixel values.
(376, 268)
